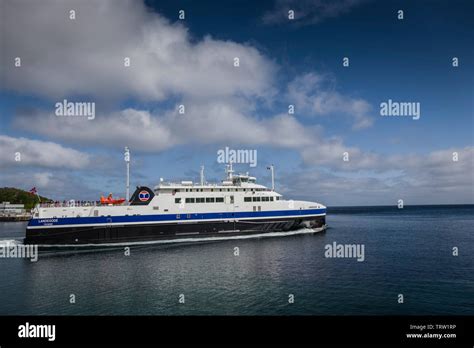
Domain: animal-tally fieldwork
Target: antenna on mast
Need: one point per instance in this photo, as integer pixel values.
(202, 175)
(273, 176)
(127, 161)
(230, 171)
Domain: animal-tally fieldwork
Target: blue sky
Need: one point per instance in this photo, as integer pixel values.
(283, 62)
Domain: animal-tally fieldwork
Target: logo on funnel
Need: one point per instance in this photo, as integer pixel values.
(143, 196)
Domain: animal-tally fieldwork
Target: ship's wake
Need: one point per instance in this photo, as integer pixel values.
(5, 243)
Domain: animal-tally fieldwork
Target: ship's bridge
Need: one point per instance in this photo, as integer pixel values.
(243, 178)
(189, 185)
(233, 182)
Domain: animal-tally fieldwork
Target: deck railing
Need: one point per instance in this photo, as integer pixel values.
(71, 203)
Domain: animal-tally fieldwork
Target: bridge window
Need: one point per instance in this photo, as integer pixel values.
(247, 199)
(177, 200)
(219, 200)
(210, 200)
(189, 200)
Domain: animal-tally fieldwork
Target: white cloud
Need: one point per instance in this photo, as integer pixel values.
(85, 56)
(63, 57)
(433, 178)
(42, 179)
(367, 178)
(315, 95)
(201, 124)
(437, 171)
(39, 153)
(331, 153)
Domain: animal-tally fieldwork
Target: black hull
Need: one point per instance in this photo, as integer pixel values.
(165, 231)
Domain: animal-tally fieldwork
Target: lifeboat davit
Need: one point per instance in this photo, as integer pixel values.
(110, 200)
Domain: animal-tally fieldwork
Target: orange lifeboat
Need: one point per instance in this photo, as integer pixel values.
(110, 200)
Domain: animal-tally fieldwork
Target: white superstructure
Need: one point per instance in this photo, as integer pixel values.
(236, 193)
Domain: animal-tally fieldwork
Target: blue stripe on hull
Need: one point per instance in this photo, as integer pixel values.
(170, 217)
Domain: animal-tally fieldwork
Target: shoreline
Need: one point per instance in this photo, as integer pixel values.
(15, 218)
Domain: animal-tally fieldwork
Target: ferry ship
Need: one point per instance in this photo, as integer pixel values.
(237, 206)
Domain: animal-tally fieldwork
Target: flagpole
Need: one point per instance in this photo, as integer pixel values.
(34, 191)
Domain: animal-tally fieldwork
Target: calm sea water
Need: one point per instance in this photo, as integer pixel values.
(407, 252)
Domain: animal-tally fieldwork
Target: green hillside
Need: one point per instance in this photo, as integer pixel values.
(17, 196)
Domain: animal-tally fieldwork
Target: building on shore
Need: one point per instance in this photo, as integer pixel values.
(13, 212)
(12, 209)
